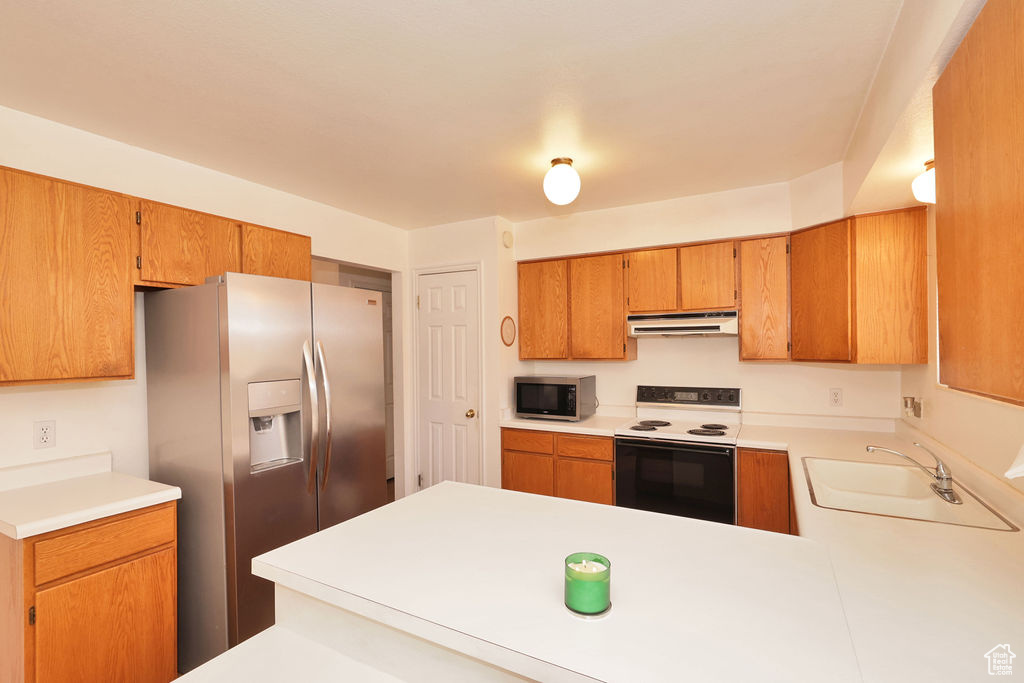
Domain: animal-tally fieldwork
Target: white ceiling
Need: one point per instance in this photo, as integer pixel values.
(418, 113)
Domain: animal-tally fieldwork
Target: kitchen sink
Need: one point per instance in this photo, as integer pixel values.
(893, 491)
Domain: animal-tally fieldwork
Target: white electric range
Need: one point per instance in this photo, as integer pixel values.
(678, 457)
(698, 414)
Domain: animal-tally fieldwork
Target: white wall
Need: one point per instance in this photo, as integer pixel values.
(797, 388)
(925, 35)
(817, 197)
(746, 211)
(990, 433)
(473, 242)
(112, 415)
(91, 416)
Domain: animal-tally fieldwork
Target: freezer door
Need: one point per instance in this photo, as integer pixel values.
(265, 323)
(349, 340)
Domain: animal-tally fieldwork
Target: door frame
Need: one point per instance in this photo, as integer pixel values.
(474, 267)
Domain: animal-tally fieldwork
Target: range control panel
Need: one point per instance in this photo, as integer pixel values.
(694, 396)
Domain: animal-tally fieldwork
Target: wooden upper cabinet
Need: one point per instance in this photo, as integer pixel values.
(820, 271)
(891, 266)
(707, 276)
(266, 251)
(764, 299)
(543, 309)
(979, 223)
(597, 308)
(66, 300)
(184, 247)
(860, 289)
(762, 490)
(653, 276)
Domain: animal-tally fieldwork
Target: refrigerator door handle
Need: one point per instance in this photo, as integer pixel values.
(327, 410)
(313, 431)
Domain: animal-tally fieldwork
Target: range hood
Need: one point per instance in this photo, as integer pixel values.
(706, 324)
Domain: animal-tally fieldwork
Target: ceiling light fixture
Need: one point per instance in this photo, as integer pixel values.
(561, 182)
(923, 186)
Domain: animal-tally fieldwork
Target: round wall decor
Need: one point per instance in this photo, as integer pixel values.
(508, 330)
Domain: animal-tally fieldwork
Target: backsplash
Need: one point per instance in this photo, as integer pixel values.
(797, 388)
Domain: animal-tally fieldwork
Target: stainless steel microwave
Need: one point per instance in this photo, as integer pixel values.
(556, 398)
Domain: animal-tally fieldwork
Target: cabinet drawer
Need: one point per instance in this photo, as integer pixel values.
(590, 447)
(527, 441)
(80, 550)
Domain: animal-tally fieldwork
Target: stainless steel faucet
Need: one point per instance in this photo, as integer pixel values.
(943, 485)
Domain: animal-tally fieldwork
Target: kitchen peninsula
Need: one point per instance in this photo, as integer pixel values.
(468, 586)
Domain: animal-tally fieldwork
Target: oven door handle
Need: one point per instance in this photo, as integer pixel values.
(658, 444)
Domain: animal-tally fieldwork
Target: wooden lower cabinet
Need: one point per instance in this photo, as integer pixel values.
(762, 490)
(563, 465)
(585, 480)
(527, 472)
(93, 602)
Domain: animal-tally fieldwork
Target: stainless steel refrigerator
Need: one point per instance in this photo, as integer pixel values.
(266, 406)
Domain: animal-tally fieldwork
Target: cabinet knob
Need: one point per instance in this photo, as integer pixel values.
(470, 413)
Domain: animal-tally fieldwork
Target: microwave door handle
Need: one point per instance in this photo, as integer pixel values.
(327, 411)
(311, 422)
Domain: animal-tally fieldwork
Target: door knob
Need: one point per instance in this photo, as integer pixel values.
(470, 413)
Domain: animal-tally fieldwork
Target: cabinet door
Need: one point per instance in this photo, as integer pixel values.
(764, 299)
(276, 253)
(66, 300)
(584, 480)
(527, 472)
(543, 309)
(115, 625)
(891, 266)
(707, 275)
(184, 247)
(820, 273)
(653, 281)
(979, 225)
(762, 490)
(597, 307)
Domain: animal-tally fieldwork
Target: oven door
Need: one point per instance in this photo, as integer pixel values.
(543, 399)
(685, 479)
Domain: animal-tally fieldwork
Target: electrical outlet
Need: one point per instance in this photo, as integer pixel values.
(44, 434)
(835, 397)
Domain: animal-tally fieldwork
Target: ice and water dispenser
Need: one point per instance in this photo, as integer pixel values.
(274, 424)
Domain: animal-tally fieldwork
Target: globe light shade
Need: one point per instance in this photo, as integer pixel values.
(923, 186)
(561, 182)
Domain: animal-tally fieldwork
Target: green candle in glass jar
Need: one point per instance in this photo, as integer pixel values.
(588, 583)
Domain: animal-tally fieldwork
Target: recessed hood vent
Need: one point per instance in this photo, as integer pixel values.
(706, 324)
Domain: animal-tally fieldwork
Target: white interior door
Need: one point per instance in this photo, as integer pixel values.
(448, 363)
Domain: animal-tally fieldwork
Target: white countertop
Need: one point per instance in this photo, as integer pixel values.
(595, 425)
(37, 509)
(480, 570)
(278, 654)
(924, 601)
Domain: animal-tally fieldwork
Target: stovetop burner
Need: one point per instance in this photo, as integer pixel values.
(643, 428)
(657, 423)
(706, 432)
(715, 426)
